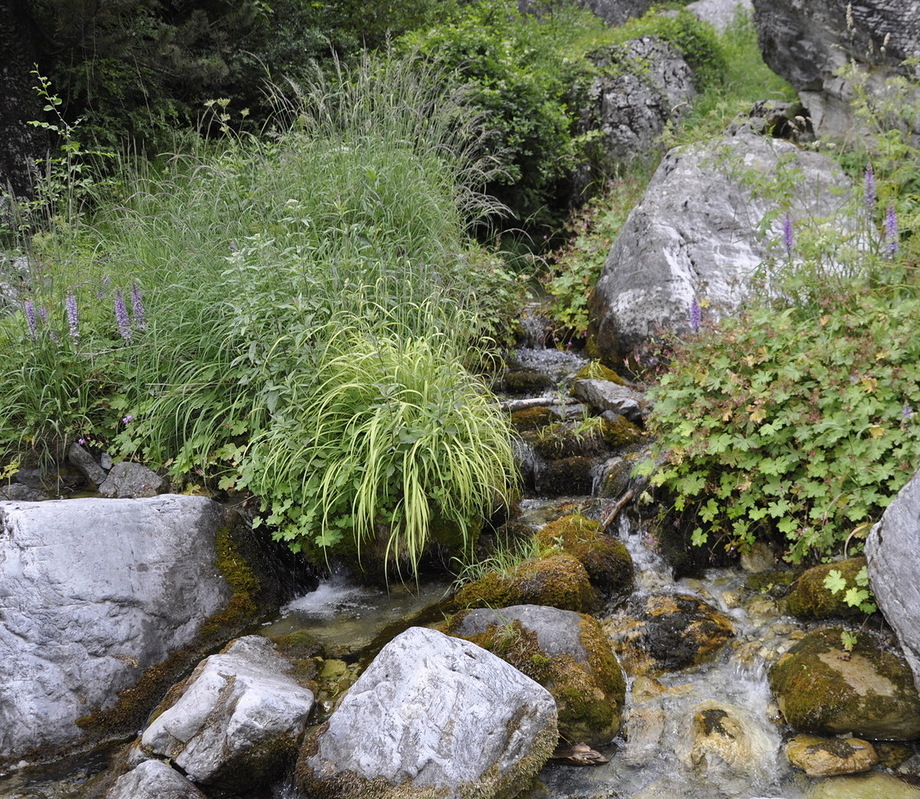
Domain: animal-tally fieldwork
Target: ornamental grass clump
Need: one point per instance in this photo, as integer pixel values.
(389, 447)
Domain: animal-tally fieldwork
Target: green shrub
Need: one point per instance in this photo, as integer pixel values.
(792, 426)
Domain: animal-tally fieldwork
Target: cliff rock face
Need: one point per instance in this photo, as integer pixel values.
(808, 42)
(613, 12)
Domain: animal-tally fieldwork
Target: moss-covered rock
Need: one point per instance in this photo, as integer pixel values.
(825, 690)
(826, 757)
(565, 477)
(810, 599)
(558, 580)
(667, 632)
(595, 370)
(606, 559)
(528, 419)
(567, 653)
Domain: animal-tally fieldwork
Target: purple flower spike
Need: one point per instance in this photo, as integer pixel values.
(696, 315)
(29, 310)
(869, 184)
(43, 313)
(72, 318)
(121, 316)
(891, 230)
(137, 307)
(788, 235)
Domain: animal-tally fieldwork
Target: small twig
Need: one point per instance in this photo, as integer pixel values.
(535, 402)
(624, 500)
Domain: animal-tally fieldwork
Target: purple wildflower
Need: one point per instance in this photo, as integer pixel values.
(72, 319)
(891, 230)
(907, 412)
(121, 316)
(137, 307)
(696, 315)
(43, 313)
(81, 441)
(127, 419)
(869, 184)
(788, 235)
(29, 309)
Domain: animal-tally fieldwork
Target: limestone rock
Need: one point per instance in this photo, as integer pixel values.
(153, 779)
(432, 717)
(869, 692)
(667, 632)
(694, 235)
(828, 757)
(567, 653)
(131, 480)
(894, 573)
(807, 43)
(92, 593)
(641, 86)
(239, 718)
(609, 396)
(719, 13)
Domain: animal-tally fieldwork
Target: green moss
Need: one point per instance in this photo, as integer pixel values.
(558, 580)
(528, 419)
(868, 692)
(606, 560)
(595, 370)
(810, 599)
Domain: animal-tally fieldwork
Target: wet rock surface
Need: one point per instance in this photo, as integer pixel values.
(825, 690)
(667, 632)
(827, 757)
(154, 779)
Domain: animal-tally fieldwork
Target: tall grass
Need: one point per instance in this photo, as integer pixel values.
(260, 267)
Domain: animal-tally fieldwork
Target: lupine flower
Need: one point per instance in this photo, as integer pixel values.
(72, 319)
(29, 309)
(137, 307)
(891, 230)
(788, 235)
(121, 316)
(869, 184)
(43, 313)
(696, 315)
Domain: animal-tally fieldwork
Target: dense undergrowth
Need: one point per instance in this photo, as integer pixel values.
(253, 314)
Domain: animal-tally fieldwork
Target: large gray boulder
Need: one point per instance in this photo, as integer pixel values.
(719, 13)
(695, 236)
(433, 717)
(92, 593)
(153, 779)
(641, 86)
(808, 42)
(238, 719)
(894, 571)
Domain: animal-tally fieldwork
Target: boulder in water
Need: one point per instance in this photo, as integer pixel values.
(868, 692)
(153, 779)
(828, 757)
(432, 717)
(567, 653)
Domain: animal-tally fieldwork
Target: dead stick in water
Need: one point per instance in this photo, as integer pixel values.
(624, 500)
(535, 402)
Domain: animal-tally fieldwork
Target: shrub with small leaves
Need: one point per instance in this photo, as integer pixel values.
(793, 426)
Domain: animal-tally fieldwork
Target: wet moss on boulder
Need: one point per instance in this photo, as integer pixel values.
(868, 692)
(810, 599)
(606, 559)
(558, 580)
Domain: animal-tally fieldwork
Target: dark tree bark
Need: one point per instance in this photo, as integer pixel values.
(20, 143)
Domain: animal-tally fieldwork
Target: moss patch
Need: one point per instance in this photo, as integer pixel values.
(558, 580)
(869, 692)
(597, 371)
(528, 419)
(809, 598)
